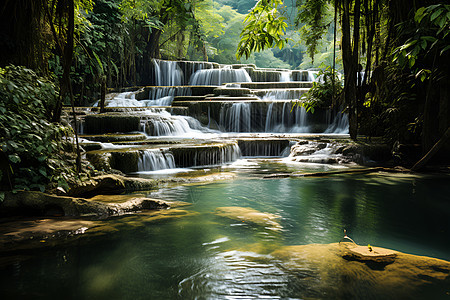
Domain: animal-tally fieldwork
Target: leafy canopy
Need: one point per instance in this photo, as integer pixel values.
(431, 37)
(265, 27)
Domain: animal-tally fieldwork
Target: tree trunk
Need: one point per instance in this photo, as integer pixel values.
(102, 95)
(350, 67)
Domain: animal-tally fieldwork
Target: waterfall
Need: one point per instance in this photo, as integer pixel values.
(264, 147)
(269, 120)
(285, 76)
(206, 155)
(155, 159)
(157, 92)
(126, 99)
(163, 95)
(281, 94)
(219, 76)
(339, 125)
(158, 96)
(312, 75)
(167, 73)
(163, 101)
(232, 109)
(294, 121)
(165, 124)
(236, 118)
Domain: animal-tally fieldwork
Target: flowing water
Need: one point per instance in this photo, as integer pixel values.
(202, 255)
(207, 249)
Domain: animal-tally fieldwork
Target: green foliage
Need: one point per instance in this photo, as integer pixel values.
(323, 91)
(315, 14)
(265, 27)
(28, 140)
(431, 37)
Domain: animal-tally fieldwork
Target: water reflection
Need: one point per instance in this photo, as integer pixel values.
(197, 253)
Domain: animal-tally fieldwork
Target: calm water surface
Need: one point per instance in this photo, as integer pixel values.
(205, 256)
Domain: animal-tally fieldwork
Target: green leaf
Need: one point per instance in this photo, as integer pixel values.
(14, 158)
(99, 62)
(419, 14)
(43, 171)
(436, 14)
(445, 49)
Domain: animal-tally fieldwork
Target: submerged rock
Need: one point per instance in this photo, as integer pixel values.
(342, 271)
(250, 215)
(49, 232)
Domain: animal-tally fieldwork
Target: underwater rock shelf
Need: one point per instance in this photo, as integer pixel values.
(344, 274)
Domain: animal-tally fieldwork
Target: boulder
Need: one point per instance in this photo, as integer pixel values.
(111, 184)
(41, 204)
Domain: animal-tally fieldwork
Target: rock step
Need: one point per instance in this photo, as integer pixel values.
(234, 92)
(230, 98)
(127, 160)
(276, 85)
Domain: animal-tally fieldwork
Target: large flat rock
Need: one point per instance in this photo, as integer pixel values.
(346, 271)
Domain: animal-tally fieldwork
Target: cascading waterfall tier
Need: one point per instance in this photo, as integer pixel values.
(286, 76)
(155, 159)
(176, 73)
(263, 116)
(264, 147)
(245, 106)
(289, 119)
(236, 118)
(281, 94)
(167, 73)
(166, 124)
(206, 155)
(219, 76)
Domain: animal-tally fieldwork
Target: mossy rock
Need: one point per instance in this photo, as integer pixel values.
(202, 90)
(275, 85)
(233, 92)
(332, 271)
(41, 204)
(112, 184)
(111, 138)
(106, 123)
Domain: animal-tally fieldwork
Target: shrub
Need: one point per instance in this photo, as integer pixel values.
(30, 145)
(321, 93)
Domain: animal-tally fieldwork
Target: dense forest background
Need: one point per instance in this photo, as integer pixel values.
(394, 57)
(116, 39)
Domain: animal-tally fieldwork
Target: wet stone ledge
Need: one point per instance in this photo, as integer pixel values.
(102, 123)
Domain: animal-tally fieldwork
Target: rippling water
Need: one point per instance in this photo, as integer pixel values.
(206, 256)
